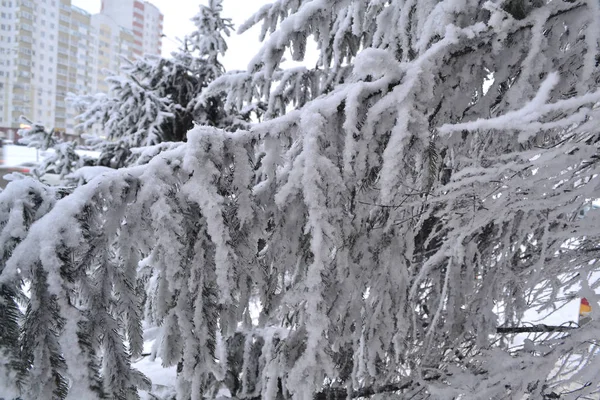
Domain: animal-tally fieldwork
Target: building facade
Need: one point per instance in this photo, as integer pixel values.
(115, 45)
(28, 58)
(49, 48)
(140, 17)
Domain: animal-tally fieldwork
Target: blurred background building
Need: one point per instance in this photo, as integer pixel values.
(49, 48)
(141, 18)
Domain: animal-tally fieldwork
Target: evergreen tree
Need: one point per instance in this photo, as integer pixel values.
(60, 159)
(131, 116)
(22, 203)
(154, 99)
(382, 230)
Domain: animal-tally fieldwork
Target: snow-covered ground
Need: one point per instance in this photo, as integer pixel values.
(163, 379)
(18, 155)
(14, 156)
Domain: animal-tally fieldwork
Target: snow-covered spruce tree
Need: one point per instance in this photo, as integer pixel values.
(60, 159)
(423, 232)
(132, 115)
(382, 231)
(154, 99)
(87, 306)
(22, 203)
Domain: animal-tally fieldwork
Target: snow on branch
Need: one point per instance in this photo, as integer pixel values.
(527, 119)
(349, 244)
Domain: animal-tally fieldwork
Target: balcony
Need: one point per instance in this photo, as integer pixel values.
(26, 6)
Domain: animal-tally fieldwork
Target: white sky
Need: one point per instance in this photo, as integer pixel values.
(177, 23)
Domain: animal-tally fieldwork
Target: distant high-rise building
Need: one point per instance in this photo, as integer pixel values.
(115, 44)
(142, 18)
(28, 58)
(49, 48)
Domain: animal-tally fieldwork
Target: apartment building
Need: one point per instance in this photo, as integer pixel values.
(27, 58)
(76, 60)
(142, 18)
(49, 48)
(115, 44)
